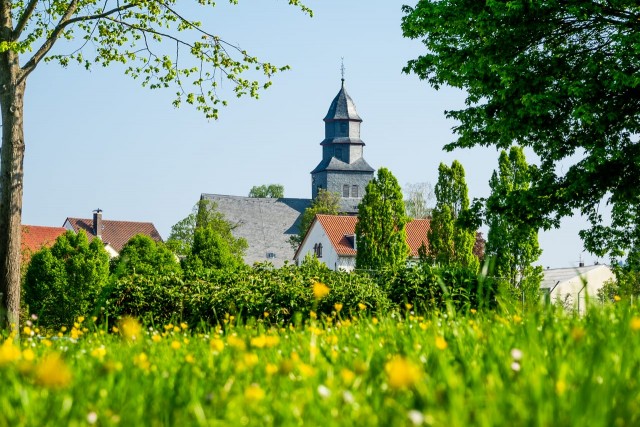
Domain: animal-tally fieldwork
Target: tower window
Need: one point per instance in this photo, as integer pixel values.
(338, 153)
(343, 128)
(354, 191)
(345, 190)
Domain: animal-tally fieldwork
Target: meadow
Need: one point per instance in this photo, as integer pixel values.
(486, 368)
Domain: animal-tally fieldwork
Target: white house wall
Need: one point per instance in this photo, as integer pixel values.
(572, 293)
(330, 257)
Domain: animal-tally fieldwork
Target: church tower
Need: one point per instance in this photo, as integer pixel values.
(342, 170)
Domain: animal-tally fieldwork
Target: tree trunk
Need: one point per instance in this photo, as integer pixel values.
(12, 86)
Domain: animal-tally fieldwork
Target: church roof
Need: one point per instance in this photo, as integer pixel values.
(266, 224)
(333, 164)
(342, 140)
(342, 107)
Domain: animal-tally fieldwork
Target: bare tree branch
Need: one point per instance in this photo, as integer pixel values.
(24, 19)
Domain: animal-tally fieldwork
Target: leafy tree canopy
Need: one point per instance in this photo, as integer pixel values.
(380, 231)
(274, 191)
(451, 240)
(513, 244)
(204, 214)
(143, 255)
(561, 77)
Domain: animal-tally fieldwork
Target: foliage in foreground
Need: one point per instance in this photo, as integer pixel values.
(479, 368)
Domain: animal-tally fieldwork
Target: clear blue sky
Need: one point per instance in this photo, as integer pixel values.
(98, 140)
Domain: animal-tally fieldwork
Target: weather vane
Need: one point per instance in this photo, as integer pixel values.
(342, 68)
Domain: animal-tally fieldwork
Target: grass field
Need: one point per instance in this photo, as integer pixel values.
(544, 368)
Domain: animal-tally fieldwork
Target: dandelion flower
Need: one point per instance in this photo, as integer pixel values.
(617, 298)
(401, 373)
(441, 344)
(52, 372)
(8, 352)
(130, 328)
(254, 393)
(320, 290)
(176, 345)
(361, 306)
(217, 345)
(635, 324)
(338, 307)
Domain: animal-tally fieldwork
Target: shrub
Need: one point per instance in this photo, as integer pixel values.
(64, 281)
(142, 255)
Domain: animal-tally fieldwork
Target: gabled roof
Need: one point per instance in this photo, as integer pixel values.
(340, 230)
(342, 107)
(115, 233)
(35, 237)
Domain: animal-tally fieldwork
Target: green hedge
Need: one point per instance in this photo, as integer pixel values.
(245, 293)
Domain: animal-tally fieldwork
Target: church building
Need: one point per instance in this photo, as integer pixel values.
(267, 224)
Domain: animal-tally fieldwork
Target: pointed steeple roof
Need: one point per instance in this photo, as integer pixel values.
(342, 107)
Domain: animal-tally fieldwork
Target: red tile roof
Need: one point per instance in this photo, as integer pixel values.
(116, 233)
(35, 237)
(339, 227)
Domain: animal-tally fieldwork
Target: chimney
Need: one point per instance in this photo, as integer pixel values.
(97, 222)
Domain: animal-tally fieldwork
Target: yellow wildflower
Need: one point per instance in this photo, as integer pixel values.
(52, 372)
(142, 361)
(473, 311)
(616, 298)
(250, 359)
(635, 324)
(156, 338)
(361, 306)
(130, 328)
(401, 373)
(271, 369)
(374, 320)
(189, 358)
(217, 345)
(8, 352)
(320, 290)
(517, 319)
(27, 331)
(176, 328)
(408, 306)
(184, 325)
(99, 352)
(577, 333)
(305, 370)
(347, 376)
(313, 315)
(115, 330)
(338, 307)
(441, 344)
(28, 355)
(80, 319)
(176, 345)
(254, 393)
(265, 314)
(63, 329)
(236, 343)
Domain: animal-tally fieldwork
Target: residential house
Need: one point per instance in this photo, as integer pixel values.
(570, 286)
(114, 234)
(332, 239)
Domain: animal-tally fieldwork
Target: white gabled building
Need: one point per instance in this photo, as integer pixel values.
(331, 238)
(569, 286)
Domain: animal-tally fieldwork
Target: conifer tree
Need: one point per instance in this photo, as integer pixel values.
(380, 232)
(450, 241)
(513, 244)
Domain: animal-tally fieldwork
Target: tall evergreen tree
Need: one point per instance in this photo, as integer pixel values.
(450, 241)
(380, 231)
(512, 244)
